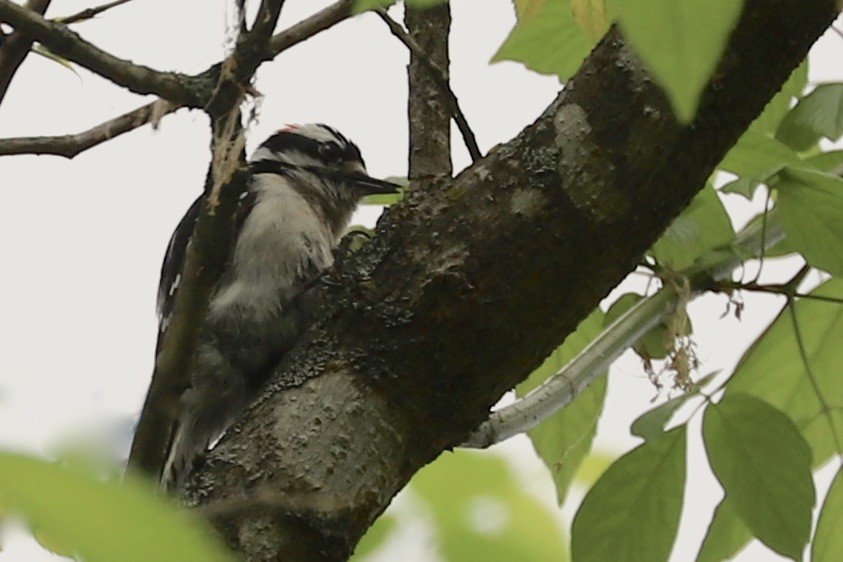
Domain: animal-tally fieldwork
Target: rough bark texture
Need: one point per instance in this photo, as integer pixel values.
(468, 286)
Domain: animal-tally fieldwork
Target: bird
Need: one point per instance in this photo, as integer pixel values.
(306, 182)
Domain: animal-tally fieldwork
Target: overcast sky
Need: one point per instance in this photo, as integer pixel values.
(82, 240)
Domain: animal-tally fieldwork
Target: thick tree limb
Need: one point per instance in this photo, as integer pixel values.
(67, 44)
(15, 47)
(469, 285)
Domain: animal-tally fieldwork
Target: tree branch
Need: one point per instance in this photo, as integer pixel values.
(71, 145)
(562, 388)
(67, 44)
(15, 47)
(90, 13)
(318, 22)
(470, 283)
(430, 124)
(441, 80)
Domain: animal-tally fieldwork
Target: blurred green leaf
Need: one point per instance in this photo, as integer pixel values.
(483, 514)
(681, 42)
(102, 521)
(703, 226)
(764, 464)
(546, 38)
(772, 369)
(591, 17)
(828, 540)
(819, 114)
(810, 205)
(727, 535)
(755, 158)
(632, 512)
(564, 440)
(374, 537)
(830, 162)
(770, 119)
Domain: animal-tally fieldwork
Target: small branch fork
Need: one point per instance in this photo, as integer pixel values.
(69, 146)
(441, 79)
(562, 388)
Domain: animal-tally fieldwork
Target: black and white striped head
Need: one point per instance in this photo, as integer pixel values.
(313, 145)
(325, 153)
(322, 166)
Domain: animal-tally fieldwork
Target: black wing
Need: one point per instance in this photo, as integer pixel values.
(173, 262)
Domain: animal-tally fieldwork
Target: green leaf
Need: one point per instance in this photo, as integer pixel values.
(374, 537)
(828, 540)
(591, 17)
(770, 119)
(74, 510)
(546, 38)
(755, 158)
(764, 464)
(656, 343)
(483, 514)
(681, 42)
(830, 162)
(703, 226)
(651, 424)
(632, 512)
(726, 536)
(564, 440)
(819, 114)
(772, 369)
(810, 207)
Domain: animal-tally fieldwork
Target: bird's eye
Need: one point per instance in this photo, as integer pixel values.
(330, 152)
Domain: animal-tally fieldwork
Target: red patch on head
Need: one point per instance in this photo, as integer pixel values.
(288, 128)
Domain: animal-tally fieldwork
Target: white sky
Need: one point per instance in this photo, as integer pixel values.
(81, 241)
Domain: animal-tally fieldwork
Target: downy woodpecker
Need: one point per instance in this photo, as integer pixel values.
(306, 182)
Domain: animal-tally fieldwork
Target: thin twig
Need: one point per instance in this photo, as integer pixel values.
(318, 22)
(441, 80)
(71, 145)
(63, 42)
(90, 13)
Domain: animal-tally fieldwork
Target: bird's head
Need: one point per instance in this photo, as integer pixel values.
(325, 153)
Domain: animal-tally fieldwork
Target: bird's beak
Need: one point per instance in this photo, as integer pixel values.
(356, 175)
(372, 186)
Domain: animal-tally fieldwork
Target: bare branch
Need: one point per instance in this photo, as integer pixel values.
(318, 22)
(90, 13)
(14, 49)
(65, 43)
(441, 80)
(430, 123)
(71, 145)
(569, 382)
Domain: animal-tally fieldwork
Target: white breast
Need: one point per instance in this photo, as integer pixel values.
(281, 240)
